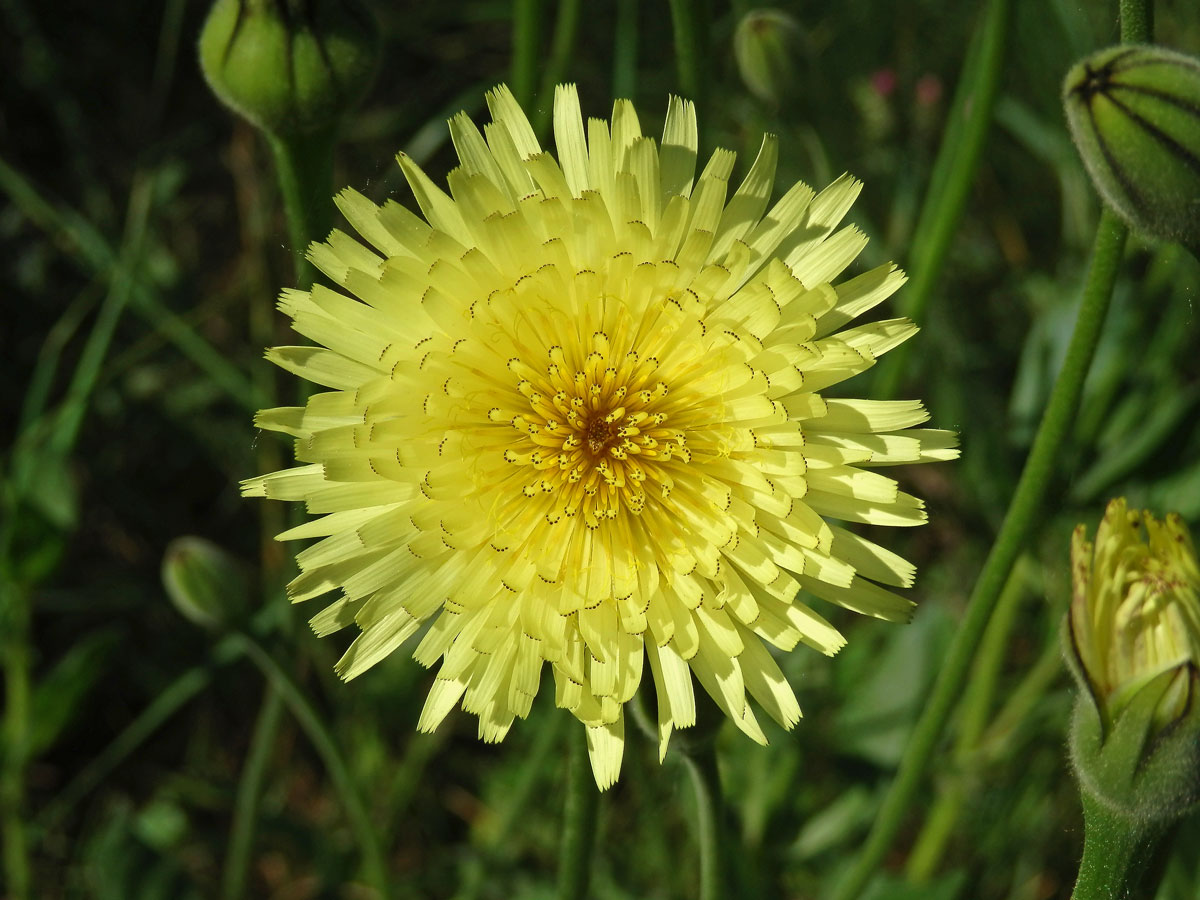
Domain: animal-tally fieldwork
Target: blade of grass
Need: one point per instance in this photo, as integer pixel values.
(84, 243)
(17, 870)
(249, 792)
(689, 25)
(951, 179)
(37, 392)
(323, 742)
(165, 704)
(625, 50)
(701, 765)
(95, 350)
(17, 612)
(523, 76)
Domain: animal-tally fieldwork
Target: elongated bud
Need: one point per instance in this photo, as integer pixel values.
(204, 583)
(766, 45)
(289, 66)
(1134, 113)
(1133, 644)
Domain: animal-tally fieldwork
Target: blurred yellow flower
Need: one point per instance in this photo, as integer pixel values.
(576, 417)
(1135, 609)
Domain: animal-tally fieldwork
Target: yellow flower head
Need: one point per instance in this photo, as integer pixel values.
(1135, 609)
(575, 417)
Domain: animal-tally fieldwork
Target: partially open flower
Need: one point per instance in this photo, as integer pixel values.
(1134, 646)
(1135, 612)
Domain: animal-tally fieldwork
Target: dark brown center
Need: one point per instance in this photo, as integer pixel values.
(598, 435)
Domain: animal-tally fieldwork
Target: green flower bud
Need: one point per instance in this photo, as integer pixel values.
(765, 46)
(205, 583)
(1134, 113)
(289, 66)
(1133, 644)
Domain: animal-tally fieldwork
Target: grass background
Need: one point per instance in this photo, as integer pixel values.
(134, 208)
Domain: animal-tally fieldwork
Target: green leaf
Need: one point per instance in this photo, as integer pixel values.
(834, 826)
(879, 711)
(50, 488)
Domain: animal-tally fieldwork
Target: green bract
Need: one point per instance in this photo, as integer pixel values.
(289, 66)
(1134, 113)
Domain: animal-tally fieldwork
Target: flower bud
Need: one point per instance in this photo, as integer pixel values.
(289, 66)
(765, 45)
(1133, 644)
(1134, 112)
(205, 583)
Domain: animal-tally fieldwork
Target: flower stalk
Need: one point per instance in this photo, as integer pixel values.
(1116, 850)
(304, 169)
(701, 761)
(580, 815)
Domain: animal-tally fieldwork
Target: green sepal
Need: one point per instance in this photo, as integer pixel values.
(1087, 691)
(1136, 768)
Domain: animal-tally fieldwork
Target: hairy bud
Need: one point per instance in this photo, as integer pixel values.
(1134, 113)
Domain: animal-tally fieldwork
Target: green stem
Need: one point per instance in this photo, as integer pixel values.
(526, 16)
(625, 50)
(580, 813)
(1137, 21)
(690, 29)
(1022, 514)
(304, 167)
(1116, 850)
(16, 739)
(326, 747)
(951, 179)
(701, 762)
(249, 793)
